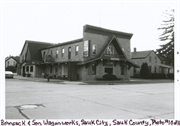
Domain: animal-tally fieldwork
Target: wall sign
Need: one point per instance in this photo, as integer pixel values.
(115, 59)
(86, 48)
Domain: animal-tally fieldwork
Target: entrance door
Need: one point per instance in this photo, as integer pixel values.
(109, 70)
(23, 72)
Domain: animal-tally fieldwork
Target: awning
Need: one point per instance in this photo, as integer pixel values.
(166, 66)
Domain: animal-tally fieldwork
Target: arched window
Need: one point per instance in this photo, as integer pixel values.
(62, 52)
(76, 50)
(69, 53)
(57, 52)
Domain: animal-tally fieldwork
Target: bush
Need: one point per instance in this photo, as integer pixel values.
(136, 76)
(144, 71)
(158, 76)
(170, 75)
(109, 77)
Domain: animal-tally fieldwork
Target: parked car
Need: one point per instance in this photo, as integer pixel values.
(9, 74)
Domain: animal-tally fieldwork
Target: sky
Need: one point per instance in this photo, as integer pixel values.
(60, 21)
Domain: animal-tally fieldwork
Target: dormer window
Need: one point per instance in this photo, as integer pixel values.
(109, 50)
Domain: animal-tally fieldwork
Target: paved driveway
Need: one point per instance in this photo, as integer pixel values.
(46, 100)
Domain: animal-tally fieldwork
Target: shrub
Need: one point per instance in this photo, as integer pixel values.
(170, 75)
(158, 75)
(109, 77)
(144, 71)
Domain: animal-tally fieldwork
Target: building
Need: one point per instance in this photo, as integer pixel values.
(155, 63)
(11, 61)
(31, 59)
(98, 52)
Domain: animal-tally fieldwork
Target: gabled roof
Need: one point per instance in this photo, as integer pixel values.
(140, 54)
(12, 58)
(34, 49)
(111, 39)
(103, 31)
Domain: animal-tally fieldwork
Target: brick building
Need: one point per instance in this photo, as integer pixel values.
(98, 52)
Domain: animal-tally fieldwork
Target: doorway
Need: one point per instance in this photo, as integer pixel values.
(109, 70)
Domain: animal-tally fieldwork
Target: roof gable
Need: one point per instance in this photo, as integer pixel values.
(33, 48)
(116, 44)
(103, 31)
(140, 54)
(12, 58)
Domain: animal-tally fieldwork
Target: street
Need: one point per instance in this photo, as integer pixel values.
(26, 99)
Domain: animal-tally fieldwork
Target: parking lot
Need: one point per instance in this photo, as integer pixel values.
(25, 99)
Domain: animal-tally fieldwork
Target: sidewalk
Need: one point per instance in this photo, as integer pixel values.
(45, 80)
(131, 81)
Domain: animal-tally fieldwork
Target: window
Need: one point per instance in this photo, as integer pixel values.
(69, 53)
(44, 53)
(149, 58)
(8, 63)
(62, 52)
(134, 70)
(154, 69)
(94, 49)
(51, 69)
(57, 51)
(56, 69)
(14, 63)
(122, 70)
(31, 69)
(109, 50)
(93, 69)
(51, 52)
(27, 68)
(155, 59)
(76, 50)
(149, 68)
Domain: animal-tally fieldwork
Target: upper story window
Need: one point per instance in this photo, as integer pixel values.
(14, 63)
(94, 49)
(69, 53)
(57, 52)
(51, 52)
(109, 50)
(44, 53)
(8, 63)
(76, 50)
(149, 58)
(62, 52)
(155, 59)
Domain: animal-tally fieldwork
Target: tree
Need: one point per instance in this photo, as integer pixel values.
(144, 71)
(167, 49)
(11, 68)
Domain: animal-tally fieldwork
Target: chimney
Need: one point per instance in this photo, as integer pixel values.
(134, 49)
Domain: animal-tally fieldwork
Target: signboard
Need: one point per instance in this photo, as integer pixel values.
(115, 59)
(86, 48)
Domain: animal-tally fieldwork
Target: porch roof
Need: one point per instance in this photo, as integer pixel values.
(165, 66)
